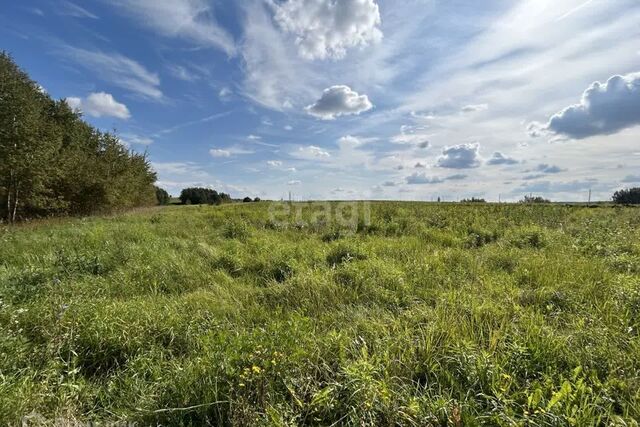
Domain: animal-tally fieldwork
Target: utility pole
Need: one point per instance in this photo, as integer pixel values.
(589, 196)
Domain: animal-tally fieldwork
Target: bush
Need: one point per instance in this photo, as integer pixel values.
(473, 200)
(627, 197)
(247, 200)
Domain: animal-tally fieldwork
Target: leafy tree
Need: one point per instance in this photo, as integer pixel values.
(473, 200)
(162, 196)
(203, 196)
(629, 196)
(53, 163)
(247, 200)
(257, 199)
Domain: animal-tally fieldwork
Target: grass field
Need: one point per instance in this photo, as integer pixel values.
(429, 314)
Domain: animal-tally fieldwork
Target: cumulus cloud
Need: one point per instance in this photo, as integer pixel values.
(337, 101)
(501, 159)
(274, 163)
(412, 135)
(463, 156)
(422, 178)
(328, 28)
(100, 104)
(311, 152)
(605, 109)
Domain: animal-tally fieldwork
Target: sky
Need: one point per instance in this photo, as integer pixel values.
(352, 99)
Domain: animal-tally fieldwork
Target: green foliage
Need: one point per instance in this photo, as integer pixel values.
(629, 196)
(429, 315)
(53, 163)
(534, 199)
(162, 196)
(203, 196)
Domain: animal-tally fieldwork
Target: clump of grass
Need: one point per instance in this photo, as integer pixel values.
(344, 253)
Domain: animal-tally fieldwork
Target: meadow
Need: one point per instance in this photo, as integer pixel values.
(425, 315)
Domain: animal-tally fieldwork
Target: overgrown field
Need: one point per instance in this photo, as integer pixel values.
(431, 314)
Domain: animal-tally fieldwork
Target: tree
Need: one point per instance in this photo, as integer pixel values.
(629, 196)
(257, 199)
(473, 200)
(247, 200)
(162, 196)
(202, 196)
(53, 163)
(534, 199)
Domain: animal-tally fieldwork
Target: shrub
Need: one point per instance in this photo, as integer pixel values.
(627, 197)
(247, 200)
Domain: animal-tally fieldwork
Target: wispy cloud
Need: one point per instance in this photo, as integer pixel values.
(192, 20)
(117, 70)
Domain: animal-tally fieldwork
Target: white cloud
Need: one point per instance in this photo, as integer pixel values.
(100, 104)
(274, 163)
(294, 182)
(229, 151)
(187, 19)
(117, 70)
(71, 9)
(129, 139)
(501, 159)
(311, 152)
(288, 128)
(422, 178)
(605, 109)
(473, 108)
(225, 94)
(182, 73)
(337, 101)
(463, 156)
(412, 135)
(274, 76)
(326, 28)
(218, 152)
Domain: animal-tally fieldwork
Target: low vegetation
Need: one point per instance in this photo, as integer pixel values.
(263, 314)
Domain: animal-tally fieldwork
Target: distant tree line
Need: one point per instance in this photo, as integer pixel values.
(203, 196)
(473, 200)
(627, 197)
(53, 163)
(534, 199)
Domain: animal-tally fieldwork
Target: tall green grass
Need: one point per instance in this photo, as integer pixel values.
(426, 315)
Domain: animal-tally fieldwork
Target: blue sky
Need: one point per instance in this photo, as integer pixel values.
(352, 99)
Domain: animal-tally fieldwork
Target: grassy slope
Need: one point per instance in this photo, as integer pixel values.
(434, 314)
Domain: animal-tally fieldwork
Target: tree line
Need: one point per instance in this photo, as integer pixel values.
(54, 163)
